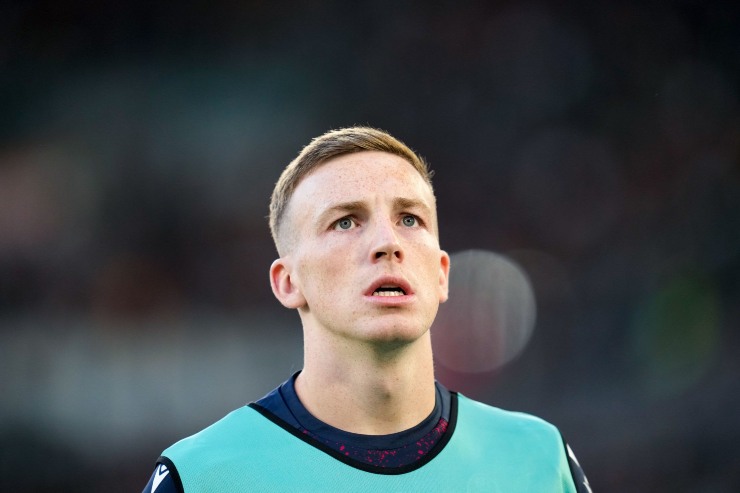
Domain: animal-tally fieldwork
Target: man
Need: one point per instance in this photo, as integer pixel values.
(354, 221)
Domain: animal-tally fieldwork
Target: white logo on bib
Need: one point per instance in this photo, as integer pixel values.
(159, 475)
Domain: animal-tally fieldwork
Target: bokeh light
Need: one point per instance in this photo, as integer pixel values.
(489, 316)
(676, 334)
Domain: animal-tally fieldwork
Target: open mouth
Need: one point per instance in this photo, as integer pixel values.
(389, 291)
(389, 287)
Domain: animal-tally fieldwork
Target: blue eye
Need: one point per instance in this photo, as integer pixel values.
(409, 221)
(345, 223)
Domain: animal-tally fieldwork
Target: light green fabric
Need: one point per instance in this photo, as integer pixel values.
(491, 450)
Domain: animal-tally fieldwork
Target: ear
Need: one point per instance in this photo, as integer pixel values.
(283, 286)
(444, 276)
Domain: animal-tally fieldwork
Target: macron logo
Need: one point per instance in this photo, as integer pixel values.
(159, 474)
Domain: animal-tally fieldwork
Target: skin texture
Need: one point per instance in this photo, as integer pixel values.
(361, 221)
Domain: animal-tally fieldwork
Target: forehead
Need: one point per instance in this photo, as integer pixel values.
(362, 176)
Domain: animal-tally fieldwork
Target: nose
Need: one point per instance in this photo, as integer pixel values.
(386, 244)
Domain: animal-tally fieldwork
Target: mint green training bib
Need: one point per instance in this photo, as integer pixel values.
(485, 449)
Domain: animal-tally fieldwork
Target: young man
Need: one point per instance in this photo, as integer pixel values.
(354, 221)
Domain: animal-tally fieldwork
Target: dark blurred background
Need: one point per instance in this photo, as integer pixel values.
(596, 144)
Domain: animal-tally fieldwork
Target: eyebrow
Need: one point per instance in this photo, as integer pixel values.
(404, 203)
(344, 208)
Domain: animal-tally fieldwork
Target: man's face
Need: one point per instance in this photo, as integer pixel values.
(365, 261)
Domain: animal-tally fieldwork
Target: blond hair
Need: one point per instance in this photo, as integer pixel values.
(330, 145)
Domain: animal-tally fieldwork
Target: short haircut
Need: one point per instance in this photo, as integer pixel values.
(333, 144)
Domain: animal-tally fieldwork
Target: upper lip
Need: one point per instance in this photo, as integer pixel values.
(387, 282)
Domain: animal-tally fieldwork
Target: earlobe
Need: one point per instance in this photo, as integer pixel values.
(283, 286)
(444, 277)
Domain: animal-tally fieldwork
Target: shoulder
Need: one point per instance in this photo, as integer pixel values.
(524, 434)
(221, 450)
(485, 415)
(509, 433)
(233, 430)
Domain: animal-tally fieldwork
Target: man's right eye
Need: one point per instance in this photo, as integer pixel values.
(345, 223)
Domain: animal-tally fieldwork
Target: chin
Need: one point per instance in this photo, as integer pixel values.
(394, 334)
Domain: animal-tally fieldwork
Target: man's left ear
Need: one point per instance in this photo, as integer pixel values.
(444, 276)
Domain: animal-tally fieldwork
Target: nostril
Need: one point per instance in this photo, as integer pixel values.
(389, 252)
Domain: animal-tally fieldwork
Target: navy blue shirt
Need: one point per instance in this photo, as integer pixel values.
(394, 450)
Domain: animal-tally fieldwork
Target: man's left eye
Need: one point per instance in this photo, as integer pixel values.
(409, 221)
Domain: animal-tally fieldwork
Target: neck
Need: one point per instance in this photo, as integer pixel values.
(372, 390)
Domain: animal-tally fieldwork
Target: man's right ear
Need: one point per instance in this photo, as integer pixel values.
(285, 290)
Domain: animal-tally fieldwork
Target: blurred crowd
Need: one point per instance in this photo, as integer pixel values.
(596, 144)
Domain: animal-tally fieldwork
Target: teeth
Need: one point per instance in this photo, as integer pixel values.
(388, 293)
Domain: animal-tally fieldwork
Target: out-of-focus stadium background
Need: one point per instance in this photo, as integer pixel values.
(595, 144)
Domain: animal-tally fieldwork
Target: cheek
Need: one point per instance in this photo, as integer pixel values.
(321, 275)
